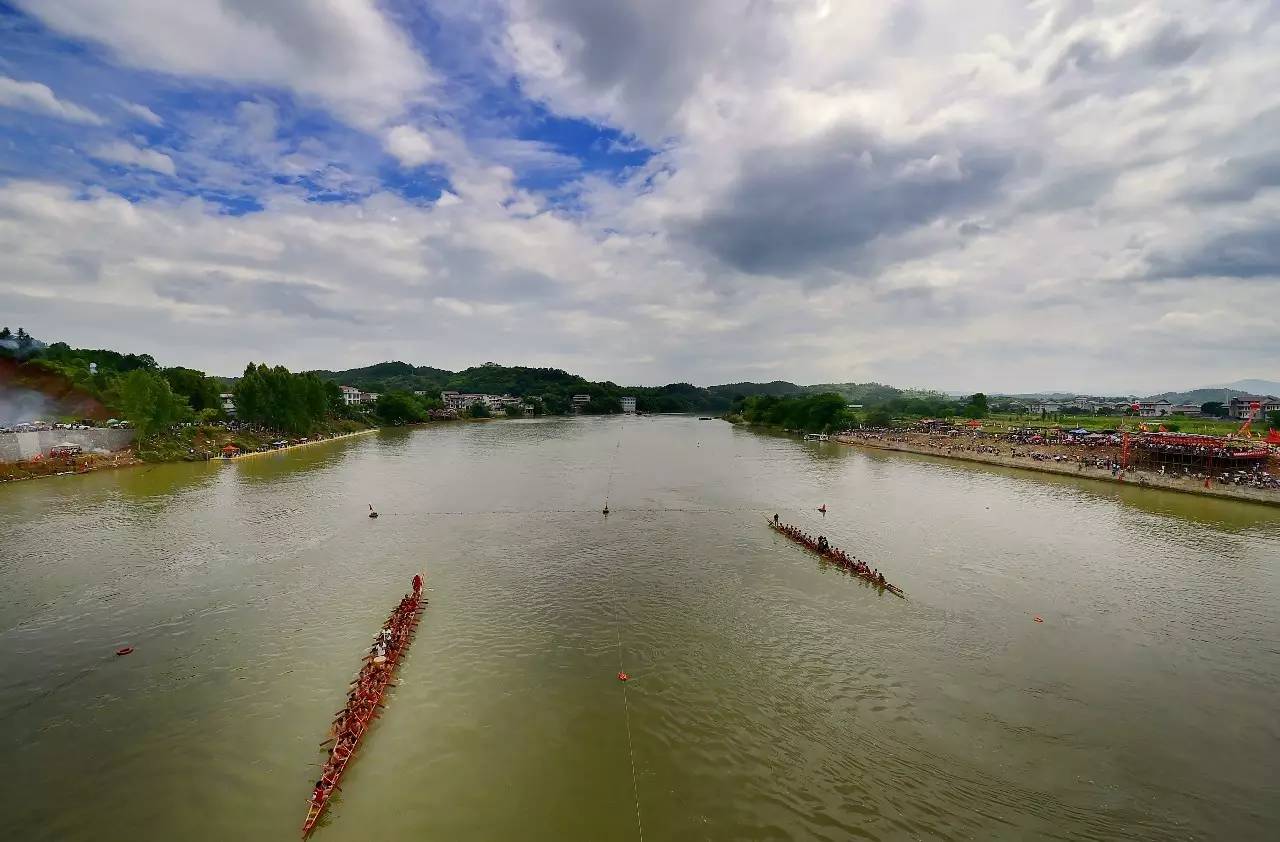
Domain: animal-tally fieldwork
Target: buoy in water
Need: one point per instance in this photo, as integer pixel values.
(1039, 619)
(372, 513)
(622, 676)
(606, 509)
(124, 650)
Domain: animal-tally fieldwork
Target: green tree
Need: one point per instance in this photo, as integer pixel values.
(399, 408)
(514, 410)
(1215, 409)
(200, 391)
(1273, 419)
(977, 406)
(478, 410)
(5, 333)
(283, 401)
(147, 401)
(879, 417)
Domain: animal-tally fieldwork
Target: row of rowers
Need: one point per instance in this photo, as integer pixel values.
(366, 692)
(839, 556)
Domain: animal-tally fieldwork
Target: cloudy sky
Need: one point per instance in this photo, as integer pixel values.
(1022, 195)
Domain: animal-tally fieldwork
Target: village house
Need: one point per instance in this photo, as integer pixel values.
(1155, 409)
(1239, 407)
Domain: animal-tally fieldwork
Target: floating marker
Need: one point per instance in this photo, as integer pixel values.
(622, 676)
(124, 650)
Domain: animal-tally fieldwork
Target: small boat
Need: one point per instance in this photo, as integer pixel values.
(339, 762)
(830, 556)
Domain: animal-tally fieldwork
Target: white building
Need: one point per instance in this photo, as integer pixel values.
(1155, 409)
(228, 401)
(629, 405)
(461, 402)
(579, 401)
(369, 397)
(350, 395)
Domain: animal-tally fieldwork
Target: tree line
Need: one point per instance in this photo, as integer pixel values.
(829, 412)
(152, 398)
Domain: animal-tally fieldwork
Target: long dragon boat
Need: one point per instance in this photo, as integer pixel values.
(835, 556)
(365, 699)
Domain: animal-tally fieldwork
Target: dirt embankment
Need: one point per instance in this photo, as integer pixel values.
(57, 466)
(60, 397)
(1056, 459)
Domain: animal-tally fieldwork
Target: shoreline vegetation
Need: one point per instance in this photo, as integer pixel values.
(182, 414)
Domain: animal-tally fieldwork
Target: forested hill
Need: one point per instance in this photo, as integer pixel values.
(556, 387)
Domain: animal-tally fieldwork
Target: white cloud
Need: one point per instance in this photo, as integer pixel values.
(122, 152)
(140, 112)
(40, 99)
(411, 147)
(342, 54)
(1022, 196)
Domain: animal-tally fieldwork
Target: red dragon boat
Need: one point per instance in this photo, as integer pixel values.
(833, 555)
(364, 701)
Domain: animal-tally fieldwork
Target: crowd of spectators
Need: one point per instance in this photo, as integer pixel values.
(1087, 451)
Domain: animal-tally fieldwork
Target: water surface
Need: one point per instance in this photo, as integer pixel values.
(772, 697)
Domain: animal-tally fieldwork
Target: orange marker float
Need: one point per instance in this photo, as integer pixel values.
(125, 650)
(1038, 619)
(622, 676)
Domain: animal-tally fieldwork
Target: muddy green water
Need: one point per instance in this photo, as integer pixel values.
(773, 697)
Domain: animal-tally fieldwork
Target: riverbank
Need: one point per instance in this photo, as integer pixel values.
(1142, 479)
(63, 466)
(308, 443)
(187, 443)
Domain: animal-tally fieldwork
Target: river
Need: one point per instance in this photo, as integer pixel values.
(772, 697)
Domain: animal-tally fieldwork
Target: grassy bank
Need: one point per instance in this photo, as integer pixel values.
(1205, 426)
(203, 441)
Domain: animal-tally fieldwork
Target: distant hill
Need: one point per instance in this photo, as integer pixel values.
(871, 394)
(1198, 396)
(1256, 387)
(390, 376)
(556, 387)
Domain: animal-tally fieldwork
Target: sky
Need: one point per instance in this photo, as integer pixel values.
(1018, 196)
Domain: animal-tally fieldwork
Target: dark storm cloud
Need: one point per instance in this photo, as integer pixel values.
(1251, 253)
(822, 204)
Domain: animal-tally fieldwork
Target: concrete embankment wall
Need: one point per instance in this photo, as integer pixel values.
(16, 447)
(1142, 479)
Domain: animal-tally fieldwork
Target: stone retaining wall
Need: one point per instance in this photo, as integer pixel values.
(17, 447)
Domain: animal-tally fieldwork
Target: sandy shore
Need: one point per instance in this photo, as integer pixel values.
(295, 446)
(1142, 479)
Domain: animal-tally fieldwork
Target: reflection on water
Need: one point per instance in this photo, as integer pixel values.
(772, 696)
